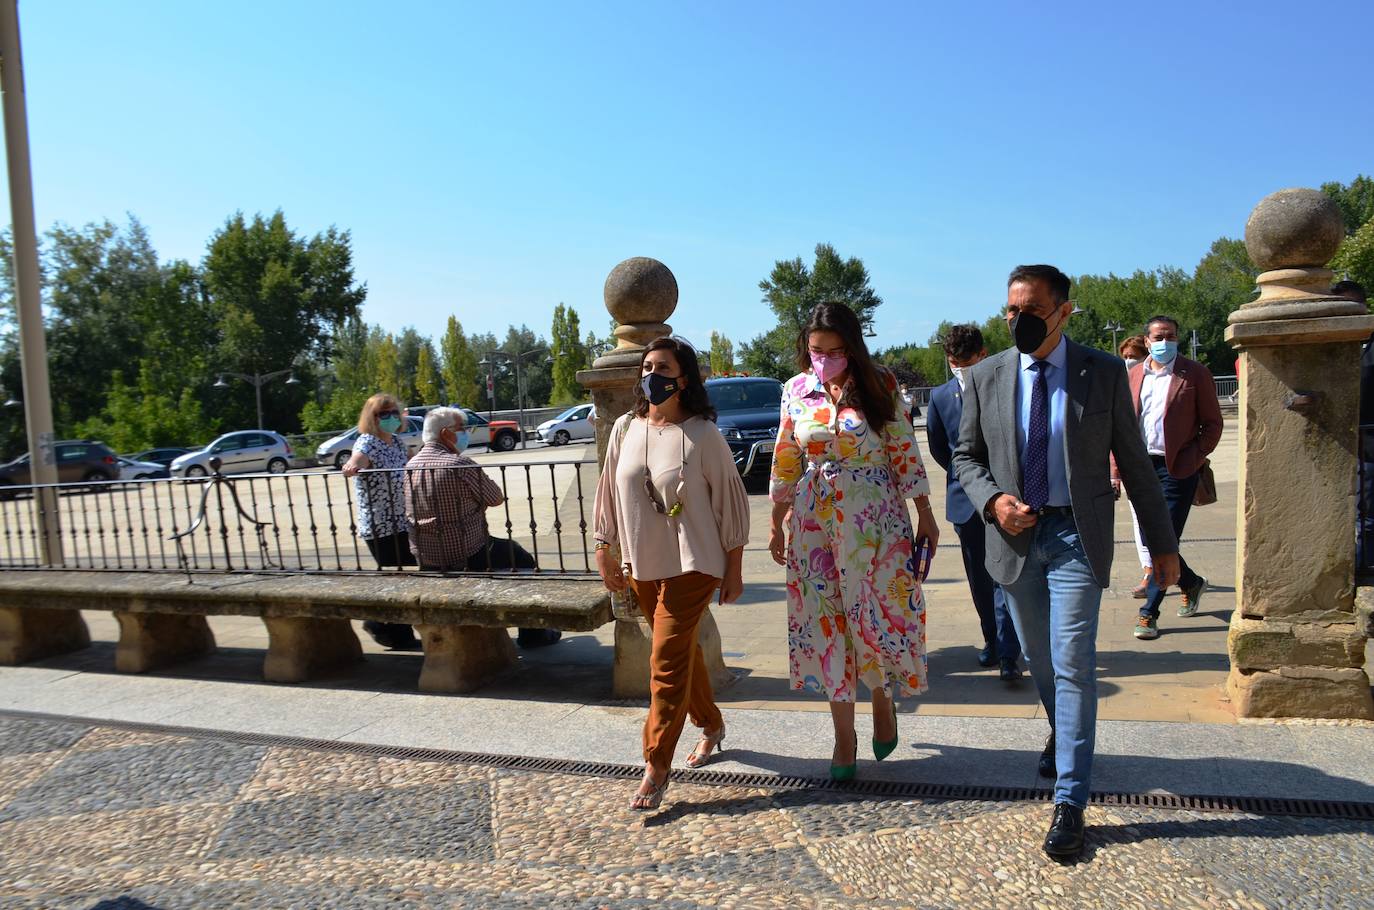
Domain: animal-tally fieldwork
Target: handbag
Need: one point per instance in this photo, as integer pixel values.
(1206, 492)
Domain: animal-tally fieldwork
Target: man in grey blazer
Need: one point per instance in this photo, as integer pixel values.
(1040, 423)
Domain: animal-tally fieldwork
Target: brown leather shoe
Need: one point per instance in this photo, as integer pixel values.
(1138, 592)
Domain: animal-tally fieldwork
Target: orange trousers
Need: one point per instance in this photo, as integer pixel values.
(679, 684)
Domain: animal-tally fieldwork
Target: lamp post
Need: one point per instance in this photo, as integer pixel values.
(257, 381)
(1113, 327)
(516, 360)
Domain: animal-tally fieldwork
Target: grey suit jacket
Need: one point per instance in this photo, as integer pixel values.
(1099, 422)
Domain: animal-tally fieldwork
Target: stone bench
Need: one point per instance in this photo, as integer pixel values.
(461, 620)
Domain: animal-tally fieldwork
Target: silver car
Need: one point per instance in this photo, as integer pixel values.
(241, 452)
(335, 452)
(574, 423)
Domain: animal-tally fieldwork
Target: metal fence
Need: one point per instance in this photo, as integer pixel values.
(301, 522)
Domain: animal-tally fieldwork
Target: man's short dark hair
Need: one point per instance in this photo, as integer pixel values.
(1351, 289)
(1162, 318)
(963, 341)
(1055, 280)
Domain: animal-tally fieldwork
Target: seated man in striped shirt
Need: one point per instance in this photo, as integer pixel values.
(447, 496)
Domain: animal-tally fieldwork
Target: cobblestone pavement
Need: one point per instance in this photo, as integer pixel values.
(99, 817)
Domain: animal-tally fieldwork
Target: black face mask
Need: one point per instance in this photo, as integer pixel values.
(1029, 331)
(658, 388)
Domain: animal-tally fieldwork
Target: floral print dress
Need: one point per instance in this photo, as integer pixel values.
(855, 612)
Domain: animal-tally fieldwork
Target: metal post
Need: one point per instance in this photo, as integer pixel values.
(520, 402)
(33, 349)
(257, 390)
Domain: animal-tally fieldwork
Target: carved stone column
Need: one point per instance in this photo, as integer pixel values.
(1296, 649)
(640, 294)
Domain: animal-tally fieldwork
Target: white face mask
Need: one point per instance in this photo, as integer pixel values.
(959, 375)
(1130, 362)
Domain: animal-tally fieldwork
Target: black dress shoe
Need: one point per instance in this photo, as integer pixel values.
(988, 656)
(1065, 837)
(1010, 672)
(1047, 768)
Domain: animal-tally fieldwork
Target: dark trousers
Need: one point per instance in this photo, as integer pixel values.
(1364, 537)
(988, 599)
(1178, 496)
(390, 552)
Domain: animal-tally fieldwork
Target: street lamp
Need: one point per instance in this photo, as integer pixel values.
(516, 360)
(257, 381)
(1113, 327)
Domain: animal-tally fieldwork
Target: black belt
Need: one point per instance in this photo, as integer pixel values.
(1065, 511)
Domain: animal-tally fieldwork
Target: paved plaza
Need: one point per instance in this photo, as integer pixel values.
(220, 803)
(97, 817)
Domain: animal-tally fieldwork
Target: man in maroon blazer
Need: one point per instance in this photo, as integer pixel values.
(1176, 403)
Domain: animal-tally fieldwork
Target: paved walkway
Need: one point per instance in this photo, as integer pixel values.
(95, 817)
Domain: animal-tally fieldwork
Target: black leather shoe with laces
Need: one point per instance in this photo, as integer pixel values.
(1047, 768)
(1065, 837)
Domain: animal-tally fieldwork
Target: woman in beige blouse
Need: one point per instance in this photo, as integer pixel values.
(671, 502)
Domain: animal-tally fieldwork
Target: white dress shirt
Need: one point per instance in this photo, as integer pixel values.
(1154, 394)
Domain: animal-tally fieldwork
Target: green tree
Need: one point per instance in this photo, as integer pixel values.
(1356, 201)
(722, 354)
(426, 375)
(536, 375)
(792, 291)
(277, 299)
(569, 355)
(145, 413)
(459, 367)
(1355, 258)
(386, 376)
(408, 345)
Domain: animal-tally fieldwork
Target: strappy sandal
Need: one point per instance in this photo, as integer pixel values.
(713, 748)
(645, 802)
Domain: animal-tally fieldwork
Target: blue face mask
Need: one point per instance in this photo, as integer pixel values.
(1163, 351)
(460, 440)
(390, 424)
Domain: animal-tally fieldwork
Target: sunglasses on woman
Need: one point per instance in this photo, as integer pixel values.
(382, 415)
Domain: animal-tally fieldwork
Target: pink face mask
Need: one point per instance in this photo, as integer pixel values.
(828, 367)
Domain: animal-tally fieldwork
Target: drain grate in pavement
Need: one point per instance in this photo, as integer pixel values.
(1250, 805)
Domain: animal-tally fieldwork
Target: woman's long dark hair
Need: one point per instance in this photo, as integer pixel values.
(875, 399)
(693, 396)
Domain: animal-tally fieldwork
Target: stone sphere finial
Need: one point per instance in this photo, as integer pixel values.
(1291, 236)
(1294, 228)
(640, 294)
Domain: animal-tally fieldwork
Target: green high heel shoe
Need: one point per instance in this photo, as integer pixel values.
(842, 773)
(882, 750)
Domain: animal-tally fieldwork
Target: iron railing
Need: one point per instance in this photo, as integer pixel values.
(298, 522)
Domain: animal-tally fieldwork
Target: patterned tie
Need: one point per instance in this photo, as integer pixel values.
(1035, 473)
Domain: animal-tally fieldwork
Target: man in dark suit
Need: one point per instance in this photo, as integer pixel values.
(964, 348)
(1041, 423)
(1176, 403)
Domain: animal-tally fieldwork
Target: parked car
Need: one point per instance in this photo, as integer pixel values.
(574, 423)
(240, 452)
(163, 456)
(747, 409)
(336, 451)
(129, 469)
(78, 460)
(501, 435)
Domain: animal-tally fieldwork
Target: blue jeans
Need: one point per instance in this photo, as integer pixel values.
(1178, 496)
(1055, 604)
(988, 599)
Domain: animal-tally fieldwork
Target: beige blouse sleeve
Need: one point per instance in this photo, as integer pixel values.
(604, 528)
(729, 502)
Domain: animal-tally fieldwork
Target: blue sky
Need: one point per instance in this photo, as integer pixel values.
(492, 160)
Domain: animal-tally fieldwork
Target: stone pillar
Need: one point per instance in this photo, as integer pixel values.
(640, 294)
(1296, 648)
(301, 648)
(151, 641)
(33, 634)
